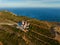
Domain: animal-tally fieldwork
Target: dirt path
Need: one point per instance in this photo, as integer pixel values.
(42, 35)
(57, 37)
(8, 23)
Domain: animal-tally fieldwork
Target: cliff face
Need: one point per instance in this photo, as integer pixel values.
(39, 32)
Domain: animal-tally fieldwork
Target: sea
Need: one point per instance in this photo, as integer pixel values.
(45, 14)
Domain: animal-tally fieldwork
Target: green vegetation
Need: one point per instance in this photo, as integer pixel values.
(39, 31)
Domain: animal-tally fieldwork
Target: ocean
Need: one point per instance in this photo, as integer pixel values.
(46, 14)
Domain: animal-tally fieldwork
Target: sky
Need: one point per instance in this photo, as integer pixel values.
(29, 3)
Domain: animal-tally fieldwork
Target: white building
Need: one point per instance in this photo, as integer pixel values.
(25, 24)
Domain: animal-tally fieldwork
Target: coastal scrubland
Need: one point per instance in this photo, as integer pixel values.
(39, 32)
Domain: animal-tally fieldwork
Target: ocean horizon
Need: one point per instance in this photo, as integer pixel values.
(45, 14)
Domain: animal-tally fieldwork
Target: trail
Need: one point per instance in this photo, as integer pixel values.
(8, 23)
(42, 35)
(57, 37)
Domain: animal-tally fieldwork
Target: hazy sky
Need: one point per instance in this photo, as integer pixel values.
(29, 3)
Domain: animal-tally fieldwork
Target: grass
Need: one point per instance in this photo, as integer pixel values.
(10, 35)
